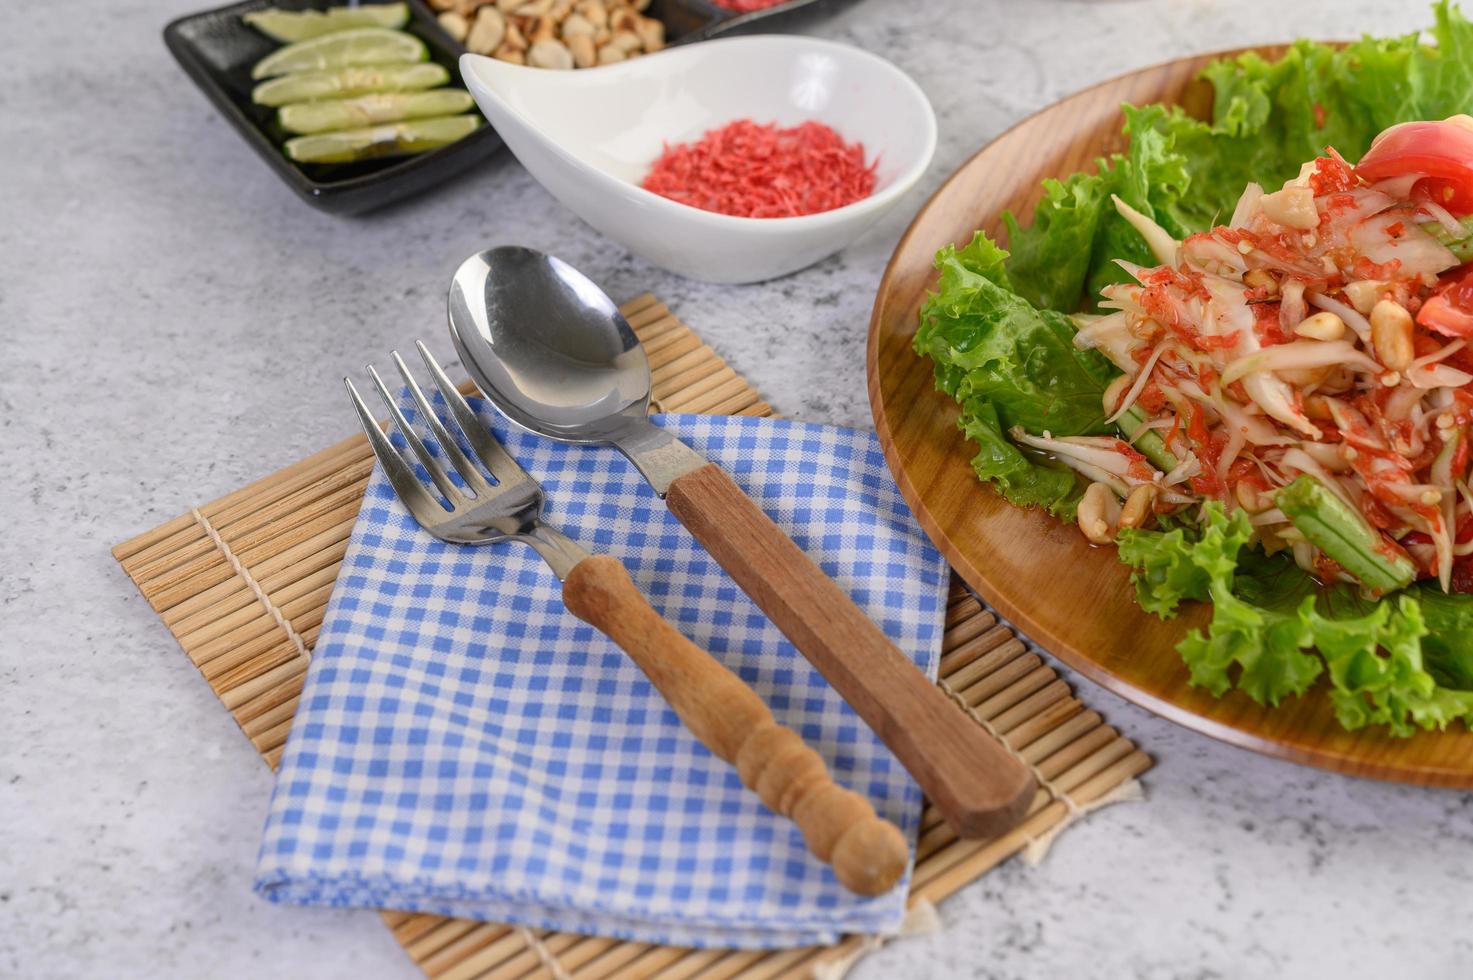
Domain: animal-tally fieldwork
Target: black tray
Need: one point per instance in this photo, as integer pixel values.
(217, 49)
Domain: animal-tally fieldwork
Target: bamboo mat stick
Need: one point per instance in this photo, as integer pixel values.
(290, 531)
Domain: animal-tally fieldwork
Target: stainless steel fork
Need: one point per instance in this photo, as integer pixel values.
(840, 827)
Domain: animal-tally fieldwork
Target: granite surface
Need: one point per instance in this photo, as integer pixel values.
(173, 324)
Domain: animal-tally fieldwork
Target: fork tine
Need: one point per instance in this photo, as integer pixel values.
(430, 463)
(464, 466)
(401, 475)
(487, 446)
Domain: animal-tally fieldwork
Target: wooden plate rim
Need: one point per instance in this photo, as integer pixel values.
(1036, 629)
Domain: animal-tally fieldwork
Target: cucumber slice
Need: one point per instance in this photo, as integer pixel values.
(390, 139)
(343, 49)
(309, 86)
(288, 26)
(1344, 535)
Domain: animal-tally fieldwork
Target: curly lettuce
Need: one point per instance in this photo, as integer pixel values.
(1274, 631)
(1009, 363)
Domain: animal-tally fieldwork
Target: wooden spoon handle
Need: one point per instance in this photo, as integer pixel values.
(979, 786)
(840, 827)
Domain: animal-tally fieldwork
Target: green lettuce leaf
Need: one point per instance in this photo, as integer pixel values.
(1008, 364)
(1069, 250)
(1274, 631)
(1170, 566)
(1448, 648)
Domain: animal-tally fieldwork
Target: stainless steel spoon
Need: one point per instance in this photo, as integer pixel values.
(552, 352)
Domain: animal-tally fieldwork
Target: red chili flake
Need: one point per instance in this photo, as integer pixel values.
(1332, 175)
(1375, 513)
(1267, 325)
(755, 171)
(1366, 269)
(1319, 116)
(1326, 568)
(1151, 398)
(1395, 229)
(1392, 549)
(1188, 281)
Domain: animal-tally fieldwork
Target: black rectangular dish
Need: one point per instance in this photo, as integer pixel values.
(217, 49)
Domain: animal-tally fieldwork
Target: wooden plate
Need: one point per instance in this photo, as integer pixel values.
(1073, 599)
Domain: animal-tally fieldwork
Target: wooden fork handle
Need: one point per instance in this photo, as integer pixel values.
(840, 827)
(979, 786)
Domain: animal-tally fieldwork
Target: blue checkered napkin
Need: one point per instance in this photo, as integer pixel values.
(465, 746)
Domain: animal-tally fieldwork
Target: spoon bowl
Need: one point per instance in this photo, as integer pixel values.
(553, 353)
(547, 346)
(590, 136)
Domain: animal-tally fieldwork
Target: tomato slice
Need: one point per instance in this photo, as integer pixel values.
(1449, 311)
(1457, 197)
(1443, 151)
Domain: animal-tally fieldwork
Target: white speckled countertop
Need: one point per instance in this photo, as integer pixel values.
(173, 323)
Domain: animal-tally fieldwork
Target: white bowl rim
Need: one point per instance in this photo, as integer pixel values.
(879, 200)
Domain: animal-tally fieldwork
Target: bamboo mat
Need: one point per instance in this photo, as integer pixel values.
(286, 536)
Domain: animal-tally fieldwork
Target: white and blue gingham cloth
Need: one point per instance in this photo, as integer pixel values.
(465, 746)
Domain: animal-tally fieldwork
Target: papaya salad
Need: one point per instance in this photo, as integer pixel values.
(1305, 362)
(1264, 400)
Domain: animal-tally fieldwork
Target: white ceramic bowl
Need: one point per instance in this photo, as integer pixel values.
(590, 136)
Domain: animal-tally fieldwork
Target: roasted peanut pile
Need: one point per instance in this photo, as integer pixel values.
(553, 33)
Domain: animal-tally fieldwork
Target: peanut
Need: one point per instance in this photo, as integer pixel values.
(488, 31)
(623, 19)
(595, 12)
(548, 53)
(1263, 280)
(626, 41)
(1321, 326)
(1098, 511)
(1250, 498)
(1292, 207)
(651, 33)
(1391, 335)
(1364, 294)
(542, 29)
(581, 47)
(1139, 506)
(576, 25)
(608, 55)
(455, 25)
